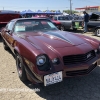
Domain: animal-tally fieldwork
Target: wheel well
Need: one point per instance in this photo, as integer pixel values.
(97, 28)
(16, 52)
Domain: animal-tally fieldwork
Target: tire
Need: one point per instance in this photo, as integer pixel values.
(74, 29)
(20, 68)
(63, 28)
(97, 32)
(5, 46)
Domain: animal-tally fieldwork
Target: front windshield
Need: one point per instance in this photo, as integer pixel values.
(29, 25)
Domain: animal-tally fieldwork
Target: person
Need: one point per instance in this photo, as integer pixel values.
(86, 20)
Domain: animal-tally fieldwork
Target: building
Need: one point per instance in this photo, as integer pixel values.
(89, 9)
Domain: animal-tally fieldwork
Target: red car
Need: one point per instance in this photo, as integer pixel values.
(45, 54)
(6, 16)
(57, 24)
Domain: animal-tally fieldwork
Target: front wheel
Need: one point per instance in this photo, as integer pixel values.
(97, 32)
(20, 68)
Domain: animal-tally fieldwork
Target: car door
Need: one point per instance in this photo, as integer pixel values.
(65, 21)
(9, 34)
(62, 20)
(68, 22)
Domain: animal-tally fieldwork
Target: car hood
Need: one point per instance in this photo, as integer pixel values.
(56, 39)
(95, 16)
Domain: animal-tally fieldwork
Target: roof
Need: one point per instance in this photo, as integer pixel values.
(27, 18)
(87, 7)
(9, 12)
(97, 13)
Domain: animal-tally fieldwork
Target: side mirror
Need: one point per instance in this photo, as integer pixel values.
(8, 31)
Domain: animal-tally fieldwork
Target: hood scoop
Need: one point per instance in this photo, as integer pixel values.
(60, 36)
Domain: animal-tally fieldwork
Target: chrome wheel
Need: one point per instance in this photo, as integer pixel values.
(20, 68)
(97, 32)
(19, 65)
(62, 28)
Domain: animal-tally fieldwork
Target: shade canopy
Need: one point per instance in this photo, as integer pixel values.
(40, 12)
(27, 12)
(57, 12)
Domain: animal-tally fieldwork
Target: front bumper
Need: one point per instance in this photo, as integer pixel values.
(75, 70)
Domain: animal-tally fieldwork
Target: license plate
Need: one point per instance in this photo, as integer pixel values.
(52, 78)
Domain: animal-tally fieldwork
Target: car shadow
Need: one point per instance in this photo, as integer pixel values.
(10, 52)
(0, 39)
(75, 31)
(75, 88)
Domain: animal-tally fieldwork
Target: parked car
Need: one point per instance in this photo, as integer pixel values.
(55, 22)
(45, 54)
(94, 23)
(68, 22)
(6, 16)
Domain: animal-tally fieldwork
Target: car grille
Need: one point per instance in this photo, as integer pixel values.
(81, 58)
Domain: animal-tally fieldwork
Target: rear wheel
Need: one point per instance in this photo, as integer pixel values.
(97, 32)
(20, 68)
(63, 28)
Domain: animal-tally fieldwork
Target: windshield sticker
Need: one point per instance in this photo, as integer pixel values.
(35, 23)
(43, 22)
(51, 25)
(27, 23)
(19, 28)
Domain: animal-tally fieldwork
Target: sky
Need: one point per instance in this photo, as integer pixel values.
(34, 5)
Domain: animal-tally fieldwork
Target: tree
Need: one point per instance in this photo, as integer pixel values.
(68, 11)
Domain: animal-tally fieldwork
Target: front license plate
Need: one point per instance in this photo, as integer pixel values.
(52, 78)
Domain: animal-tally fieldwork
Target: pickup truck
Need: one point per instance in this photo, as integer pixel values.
(68, 22)
(94, 23)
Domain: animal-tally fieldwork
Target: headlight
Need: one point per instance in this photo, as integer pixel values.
(43, 63)
(41, 60)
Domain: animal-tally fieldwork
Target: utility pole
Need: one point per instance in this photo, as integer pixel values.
(70, 6)
(3, 8)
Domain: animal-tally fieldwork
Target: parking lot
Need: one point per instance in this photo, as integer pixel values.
(75, 88)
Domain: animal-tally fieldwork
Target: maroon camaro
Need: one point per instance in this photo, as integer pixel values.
(45, 54)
